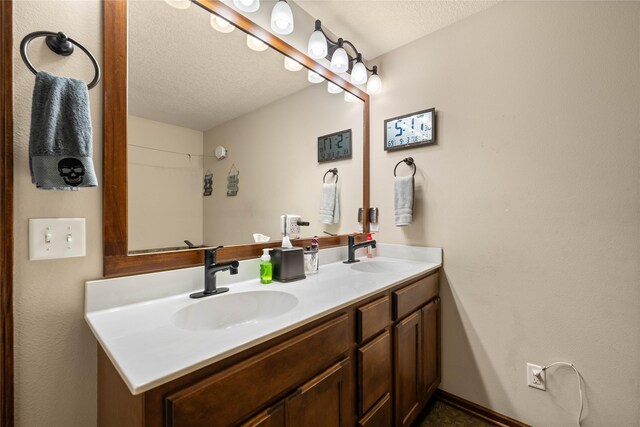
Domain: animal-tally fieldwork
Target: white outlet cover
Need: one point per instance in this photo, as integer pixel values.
(52, 238)
(532, 380)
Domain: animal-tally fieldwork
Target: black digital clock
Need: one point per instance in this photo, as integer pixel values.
(334, 146)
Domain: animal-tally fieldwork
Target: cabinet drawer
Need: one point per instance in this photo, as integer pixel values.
(380, 415)
(409, 298)
(324, 401)
(372, 318)
(272, 417)
(232, 394)
(375, 371)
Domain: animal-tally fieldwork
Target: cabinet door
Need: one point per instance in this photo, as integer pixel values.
(272, 417)
(380, 414)
(408, 362)
(375, 371)
(430, 348)
(325, 401)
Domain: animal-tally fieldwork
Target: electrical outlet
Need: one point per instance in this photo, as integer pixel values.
(536, 377)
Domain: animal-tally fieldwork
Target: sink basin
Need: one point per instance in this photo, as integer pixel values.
(229, 310)
(380, 267)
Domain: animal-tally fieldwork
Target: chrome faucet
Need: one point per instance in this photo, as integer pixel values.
(353, 247)
(210, 270)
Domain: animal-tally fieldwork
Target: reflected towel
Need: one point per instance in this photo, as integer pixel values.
(330, 204)
(403, 200)
(60, 146)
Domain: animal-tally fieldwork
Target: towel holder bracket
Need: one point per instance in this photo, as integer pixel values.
(334, 171)
(60, 44)
(409, 162)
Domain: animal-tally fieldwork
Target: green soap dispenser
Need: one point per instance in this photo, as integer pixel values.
(266, 269)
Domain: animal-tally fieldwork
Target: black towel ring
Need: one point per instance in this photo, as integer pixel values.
(62, 45)
(334, 171)
(409, 161)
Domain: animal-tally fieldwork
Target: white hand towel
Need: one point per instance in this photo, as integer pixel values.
(330, 204)
(403, 200)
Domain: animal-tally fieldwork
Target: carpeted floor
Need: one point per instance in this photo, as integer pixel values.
(439, 414)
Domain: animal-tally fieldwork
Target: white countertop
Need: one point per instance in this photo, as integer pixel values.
(131, 316)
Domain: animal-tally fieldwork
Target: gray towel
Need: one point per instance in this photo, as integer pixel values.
(403, 200)
(60, 146)
(330, 204)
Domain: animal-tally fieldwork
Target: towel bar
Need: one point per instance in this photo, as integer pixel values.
(62, 45)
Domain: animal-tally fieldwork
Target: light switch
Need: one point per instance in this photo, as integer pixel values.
(51, 238)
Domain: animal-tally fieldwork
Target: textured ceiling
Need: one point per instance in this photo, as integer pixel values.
(379, 26)
(185, 73)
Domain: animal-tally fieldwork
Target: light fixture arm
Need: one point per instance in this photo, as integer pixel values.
(340, 42)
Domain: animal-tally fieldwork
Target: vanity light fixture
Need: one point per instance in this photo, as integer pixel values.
(317, 48)
(292, 64)
(349, 97)
(321, 46)
(333, 88)
(340, 59)
(179, 4)
(256, 44)
(221, 24)
(314, 77)
(374, 84)
(359, 72)
(247, 5)
(282, 18)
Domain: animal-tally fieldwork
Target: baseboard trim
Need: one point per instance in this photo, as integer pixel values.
(476, 410)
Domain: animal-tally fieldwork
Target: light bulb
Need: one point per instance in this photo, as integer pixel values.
(349, 97)
(221, 24)
(247, 5)
(314, 77)
(359, 74)
(282, 18)
(317, 48)
(179, 4)
(333, 88)
(256, 44)
(339, 61)
(292, 64)
(374, 85)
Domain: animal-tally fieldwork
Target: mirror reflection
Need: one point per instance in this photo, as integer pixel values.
(223, 140)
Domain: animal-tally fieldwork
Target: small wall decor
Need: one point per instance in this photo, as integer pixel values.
(232, 181)
(410, 130)
(221, 152)
(208, 183)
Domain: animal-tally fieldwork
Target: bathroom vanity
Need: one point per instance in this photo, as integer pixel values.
(353, 345)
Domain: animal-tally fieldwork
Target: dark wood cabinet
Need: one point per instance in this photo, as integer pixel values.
(430, 318)
(325, 401)
(375, 363)
(375, 374)
(408, 364)
(272, 417)
(381, 415)
(417, 361)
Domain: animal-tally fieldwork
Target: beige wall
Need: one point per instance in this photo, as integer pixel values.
(533, 192)
(275, 150)
(165, 189)
(55, 352)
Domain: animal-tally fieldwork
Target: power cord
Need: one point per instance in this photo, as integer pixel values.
(572, 366)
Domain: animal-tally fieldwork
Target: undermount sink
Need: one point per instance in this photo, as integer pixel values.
(229, 310)
(379, 267)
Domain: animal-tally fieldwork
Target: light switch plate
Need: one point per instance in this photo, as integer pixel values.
(52, 238)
